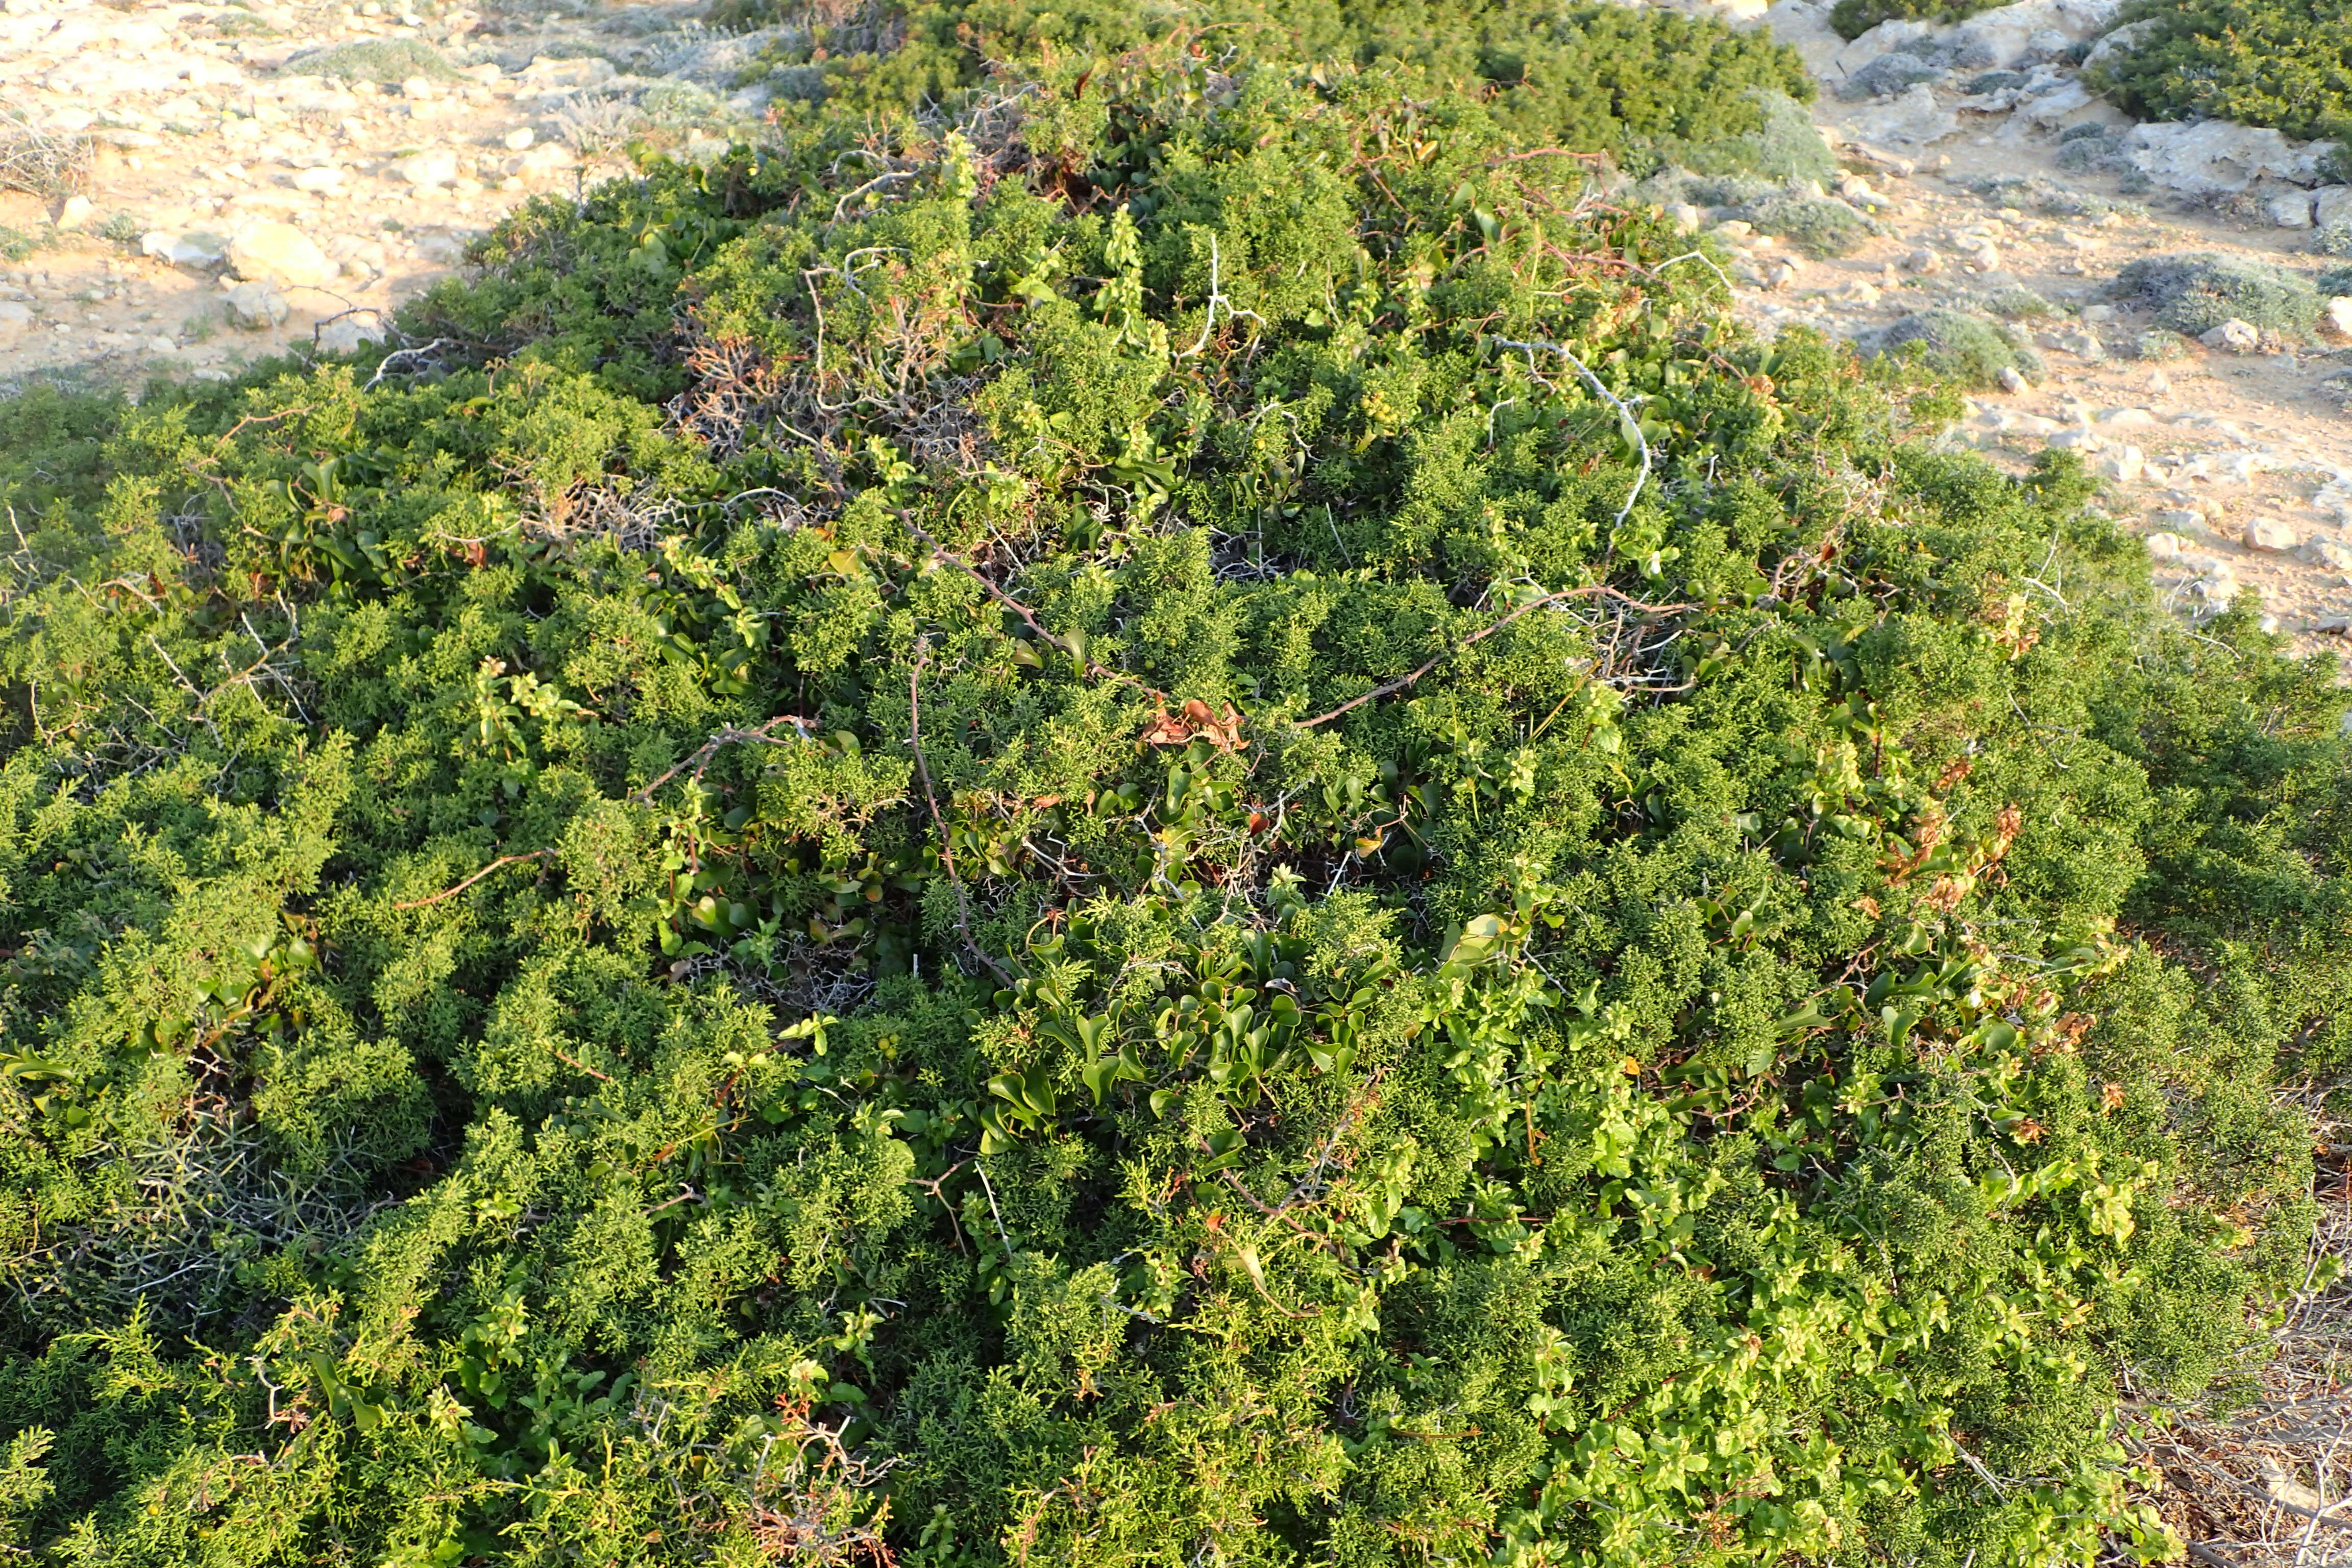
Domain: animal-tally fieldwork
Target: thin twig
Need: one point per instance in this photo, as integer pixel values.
(1623, 412)
(449, 892)
(947, 846)
(1486, 631)
(730, 735)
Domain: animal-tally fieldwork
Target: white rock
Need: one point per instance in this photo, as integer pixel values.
(2328, 554)
(255, 307)
(2233, 336)
(420, 87)
(519, 138)
(2076, 440)
(2166, 546)
(2054, 107)
(1913, 118)
(344, 334)
(2332, 205)
(1923, 261)
(1686, 217)
(2117, 42)
(434, 167)
(2125, 418)
(2337, 317)
(546, 159)
(2218, 157)
(2013, 380)
(325, 177)
(159, 344)
(74, 211)
(2289, 209)
(1984, 256)
(278, 253)
(2268, 533)
(15, 317)
(197, 247)
(2124, 464)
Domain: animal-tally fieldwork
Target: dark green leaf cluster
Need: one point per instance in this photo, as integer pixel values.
(1179, 821)
(2281, 63)
(1644, 86)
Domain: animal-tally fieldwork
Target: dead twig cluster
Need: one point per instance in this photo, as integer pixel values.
(49, 164)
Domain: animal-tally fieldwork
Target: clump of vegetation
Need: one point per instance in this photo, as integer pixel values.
(1888, 74)
(2158, 346)
(1173, 815)
(1853, 18)
(1821, 226)
(384, 61)
(1957, 345)
(48, 165)
(2197, 291)
(2333, 281)
(2019, 304)
(1650, 88)
(2332, 239)
(2278, 63)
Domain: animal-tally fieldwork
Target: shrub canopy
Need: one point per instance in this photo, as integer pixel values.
(2281, 63)
(1180, 821)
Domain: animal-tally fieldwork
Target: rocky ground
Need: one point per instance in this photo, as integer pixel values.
(2235, 462)
(256, 177)
(264, 175)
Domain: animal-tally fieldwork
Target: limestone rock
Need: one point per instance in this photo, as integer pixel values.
(428, 170)
(1923, 261)
(2124, 464)
(2289, 209)
(273, 252)
(344, 334)
(2337, 316)
(2270, 534)
(325, 177)
(519, 139)
(2121, 39)
(256, 306)
(2218, 157)
(196, 248)
(2166, 546)
(2233, 336)
(1911, 119)
(2331, 206)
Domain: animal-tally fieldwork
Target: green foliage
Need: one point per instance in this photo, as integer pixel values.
(1853, 18)
(1182, 822)
(2279, 63)
(1649, 87)
(2195, 292)
(1967, 348)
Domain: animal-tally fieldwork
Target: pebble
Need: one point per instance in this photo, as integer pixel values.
(521, 138)
(2013, 380)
